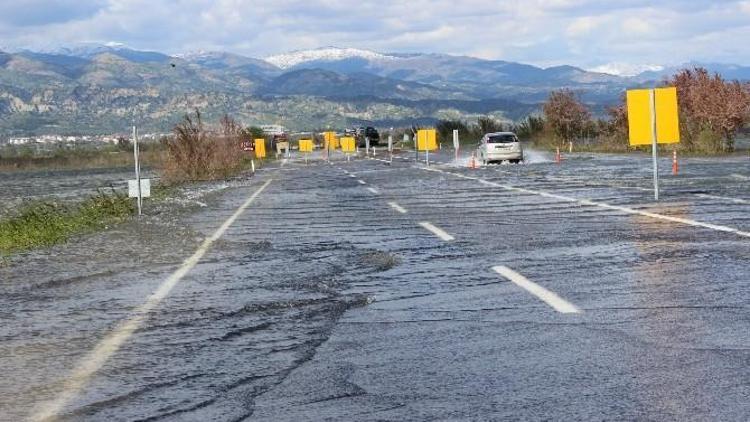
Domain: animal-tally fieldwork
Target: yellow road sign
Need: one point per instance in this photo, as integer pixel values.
(305, 145)
(426, 140)
(642, 107)
(260, 148)
(348, 144)
(331, 139)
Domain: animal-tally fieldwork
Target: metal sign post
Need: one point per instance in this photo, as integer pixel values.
(654, 145)
(456, 144)
(137, 169)
(416, 148)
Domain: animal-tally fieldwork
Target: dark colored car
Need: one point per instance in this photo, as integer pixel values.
(364, 133)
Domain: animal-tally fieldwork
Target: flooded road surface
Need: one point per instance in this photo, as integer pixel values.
(18, 187)
(366, 291)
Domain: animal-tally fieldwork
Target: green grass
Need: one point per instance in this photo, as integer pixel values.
(46, 224)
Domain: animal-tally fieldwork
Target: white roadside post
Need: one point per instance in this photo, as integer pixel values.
(138, 188)
(456, 144)
(654, 145)
(137, 169)
(390, 147)
(367, 146)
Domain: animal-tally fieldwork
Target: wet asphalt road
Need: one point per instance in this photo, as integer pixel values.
(366, 291)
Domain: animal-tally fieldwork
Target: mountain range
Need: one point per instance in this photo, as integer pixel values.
(94, 89)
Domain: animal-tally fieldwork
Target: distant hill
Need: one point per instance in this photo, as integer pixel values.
(93, 88)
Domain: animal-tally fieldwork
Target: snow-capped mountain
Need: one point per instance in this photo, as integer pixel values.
(288, 60)
(96, 81)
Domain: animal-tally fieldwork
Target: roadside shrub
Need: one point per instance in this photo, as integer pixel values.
(47, 223)
(195, 153)
(445, 130)
(529, 128)
(707, 141)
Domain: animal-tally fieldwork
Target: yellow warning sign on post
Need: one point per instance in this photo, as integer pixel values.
(653, 112)
(331, 139)
(427, 140)
(305, 145)
(260, 148)
(348, 144)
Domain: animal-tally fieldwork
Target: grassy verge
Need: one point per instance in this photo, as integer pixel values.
(47, 224)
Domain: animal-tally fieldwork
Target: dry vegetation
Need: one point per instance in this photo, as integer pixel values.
(197, 153)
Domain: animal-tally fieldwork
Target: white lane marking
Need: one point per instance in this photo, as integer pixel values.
(398, 207)
(724, 198)
(111, 343)
(587, 202)
(739, 176)
(550, 298)
(362, 182)
(373, 190)
(442, 234)
(352, 175)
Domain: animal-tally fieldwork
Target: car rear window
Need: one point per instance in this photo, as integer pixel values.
(502, 139)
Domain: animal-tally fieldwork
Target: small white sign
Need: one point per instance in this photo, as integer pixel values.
(455, 139)
(145, 188)
(390, 143)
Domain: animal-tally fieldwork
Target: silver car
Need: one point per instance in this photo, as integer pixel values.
(499, 147)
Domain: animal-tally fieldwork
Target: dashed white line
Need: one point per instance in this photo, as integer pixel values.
(442, 234)
(373, 190)
(724, 198)
(740, 176)
(397, 207)
(352, 175)
(111, 343)
(550, 298)
(361, 182)
(587, 202)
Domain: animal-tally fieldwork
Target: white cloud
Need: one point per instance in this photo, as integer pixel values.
(583, 26)
(587, 33)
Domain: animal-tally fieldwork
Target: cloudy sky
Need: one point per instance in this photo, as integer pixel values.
(606, 35)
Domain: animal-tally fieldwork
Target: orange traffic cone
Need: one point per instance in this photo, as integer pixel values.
(675, 164)
(472, 162)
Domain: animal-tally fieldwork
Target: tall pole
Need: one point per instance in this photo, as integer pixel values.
(416, 146)
(654, 145)
(137, 168)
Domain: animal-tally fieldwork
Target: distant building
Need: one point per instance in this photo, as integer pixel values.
(273, 129)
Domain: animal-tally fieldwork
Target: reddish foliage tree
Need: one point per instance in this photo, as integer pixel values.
(565, 115)
(709, 103)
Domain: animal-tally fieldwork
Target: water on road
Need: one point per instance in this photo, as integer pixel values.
(365, 290)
